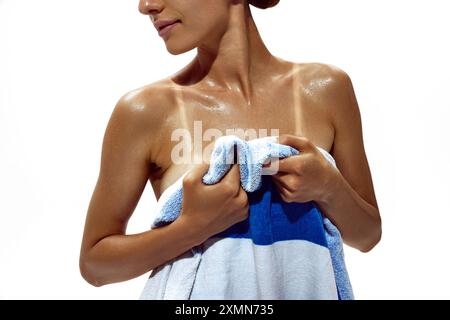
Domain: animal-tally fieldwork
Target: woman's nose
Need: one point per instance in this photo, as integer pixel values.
(150, 6)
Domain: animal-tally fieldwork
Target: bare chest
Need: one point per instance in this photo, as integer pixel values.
(195, 121)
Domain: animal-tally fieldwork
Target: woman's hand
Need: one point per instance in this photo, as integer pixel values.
(308, 176)
(211, 209)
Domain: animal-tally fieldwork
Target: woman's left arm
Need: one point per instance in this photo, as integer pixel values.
(346, 196)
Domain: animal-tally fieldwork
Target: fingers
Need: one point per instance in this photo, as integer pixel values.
(196, 173)
(285, 194)
(242, 198)
(233, 179)
(286, 181)
(297, 142)
(242, 204)
(233, 174)
(288, 165)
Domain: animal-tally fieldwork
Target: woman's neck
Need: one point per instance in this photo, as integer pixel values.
(237, 60)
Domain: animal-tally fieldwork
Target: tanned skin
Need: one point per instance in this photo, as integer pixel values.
(233, 82)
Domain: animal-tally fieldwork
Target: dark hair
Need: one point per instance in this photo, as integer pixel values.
(263, 4)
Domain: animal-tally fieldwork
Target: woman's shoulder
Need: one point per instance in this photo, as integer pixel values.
(322, 73)
(147, 103)
(149, 96)
(322, 81)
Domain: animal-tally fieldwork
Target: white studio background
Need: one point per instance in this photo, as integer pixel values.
(64, 64)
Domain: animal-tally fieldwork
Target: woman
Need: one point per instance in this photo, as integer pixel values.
(233, 82)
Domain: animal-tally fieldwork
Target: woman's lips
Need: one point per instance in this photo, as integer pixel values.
(167, 28)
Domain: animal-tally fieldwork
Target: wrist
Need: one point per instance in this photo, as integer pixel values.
(192, 230)
(331, 187)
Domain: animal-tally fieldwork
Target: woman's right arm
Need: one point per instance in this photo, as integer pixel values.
(107, 254)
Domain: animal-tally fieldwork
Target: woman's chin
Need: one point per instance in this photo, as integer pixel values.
(177, 49)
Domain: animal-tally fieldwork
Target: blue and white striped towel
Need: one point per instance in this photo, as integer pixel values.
(281, 251)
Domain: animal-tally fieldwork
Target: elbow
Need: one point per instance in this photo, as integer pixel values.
(87, 271)
(372, 238)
